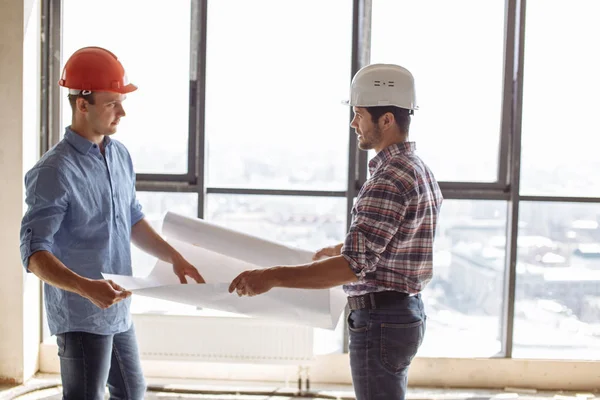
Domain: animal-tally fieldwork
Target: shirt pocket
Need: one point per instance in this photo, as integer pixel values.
(90, 212)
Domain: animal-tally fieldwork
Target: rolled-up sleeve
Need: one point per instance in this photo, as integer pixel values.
(378, 212)
(136, 208)
(46, 196)
(136, 211)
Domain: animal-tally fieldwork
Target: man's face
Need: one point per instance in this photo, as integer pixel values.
(104, 115)
(369, 134)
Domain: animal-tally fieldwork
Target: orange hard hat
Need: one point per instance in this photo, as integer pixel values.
(94, 69)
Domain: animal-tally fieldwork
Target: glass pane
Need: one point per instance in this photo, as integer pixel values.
(560, 99)
(155, 129)
(457, 61)
(464, 299)
(557, 309)
(274, 86)
(155, 205)
(306, 222)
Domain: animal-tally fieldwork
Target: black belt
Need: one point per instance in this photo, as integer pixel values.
(371, 301)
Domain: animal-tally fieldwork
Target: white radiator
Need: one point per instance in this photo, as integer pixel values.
(222, 339)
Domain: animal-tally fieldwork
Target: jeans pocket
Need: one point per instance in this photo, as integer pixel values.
(61, 343)
(399, 344)
(355, 324)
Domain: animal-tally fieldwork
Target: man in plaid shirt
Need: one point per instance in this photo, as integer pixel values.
(386, 259)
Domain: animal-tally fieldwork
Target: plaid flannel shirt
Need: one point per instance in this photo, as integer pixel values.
(390, 243)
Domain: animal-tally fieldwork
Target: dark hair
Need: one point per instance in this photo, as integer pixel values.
(73, 99)
(401, 115)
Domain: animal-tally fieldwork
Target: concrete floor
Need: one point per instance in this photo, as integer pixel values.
(224, 390)
(48, 389)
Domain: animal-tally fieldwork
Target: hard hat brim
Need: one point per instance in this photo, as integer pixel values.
(129, 88)
(349, 103)
(124, 90)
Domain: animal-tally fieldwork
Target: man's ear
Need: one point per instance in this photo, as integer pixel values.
(82, 105)
(387, 119)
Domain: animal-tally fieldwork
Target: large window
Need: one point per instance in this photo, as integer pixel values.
(557, 309)
(557, 313)
(156, 127)
(254, 100)
(560, 99)
(305, 222)
(457, 63)
(274, 86)
(238, 120)
(464, 300)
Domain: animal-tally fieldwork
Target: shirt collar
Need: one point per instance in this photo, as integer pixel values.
(386, 154)
(80, 143)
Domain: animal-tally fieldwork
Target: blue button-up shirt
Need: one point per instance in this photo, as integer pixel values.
(81, 207)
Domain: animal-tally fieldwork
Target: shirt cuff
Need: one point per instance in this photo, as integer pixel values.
(355, 266)
(28, 248)
(136, 217)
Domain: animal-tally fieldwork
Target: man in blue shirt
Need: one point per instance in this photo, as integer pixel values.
(82, 216)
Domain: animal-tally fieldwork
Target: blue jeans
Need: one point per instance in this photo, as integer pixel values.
(89, 362)
(383, 343)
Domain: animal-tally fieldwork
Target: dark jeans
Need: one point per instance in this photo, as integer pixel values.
(383, 343)
(89, 362)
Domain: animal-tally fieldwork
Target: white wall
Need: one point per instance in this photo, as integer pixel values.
(19, 100)
(31, 148)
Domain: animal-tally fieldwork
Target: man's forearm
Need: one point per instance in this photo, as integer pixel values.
(52, 271)
(148, 240)
(322, 274)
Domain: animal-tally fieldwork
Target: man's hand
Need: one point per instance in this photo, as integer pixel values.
(147, 239)
(182, 268)
(330, 251)
(254, 282)
(104, 293)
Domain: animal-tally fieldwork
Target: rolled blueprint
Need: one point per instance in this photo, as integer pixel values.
(220, 254)
(234, 244)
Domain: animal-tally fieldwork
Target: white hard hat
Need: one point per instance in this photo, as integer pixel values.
(383, 85)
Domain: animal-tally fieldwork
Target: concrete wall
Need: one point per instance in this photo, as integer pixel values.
(19, 122)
